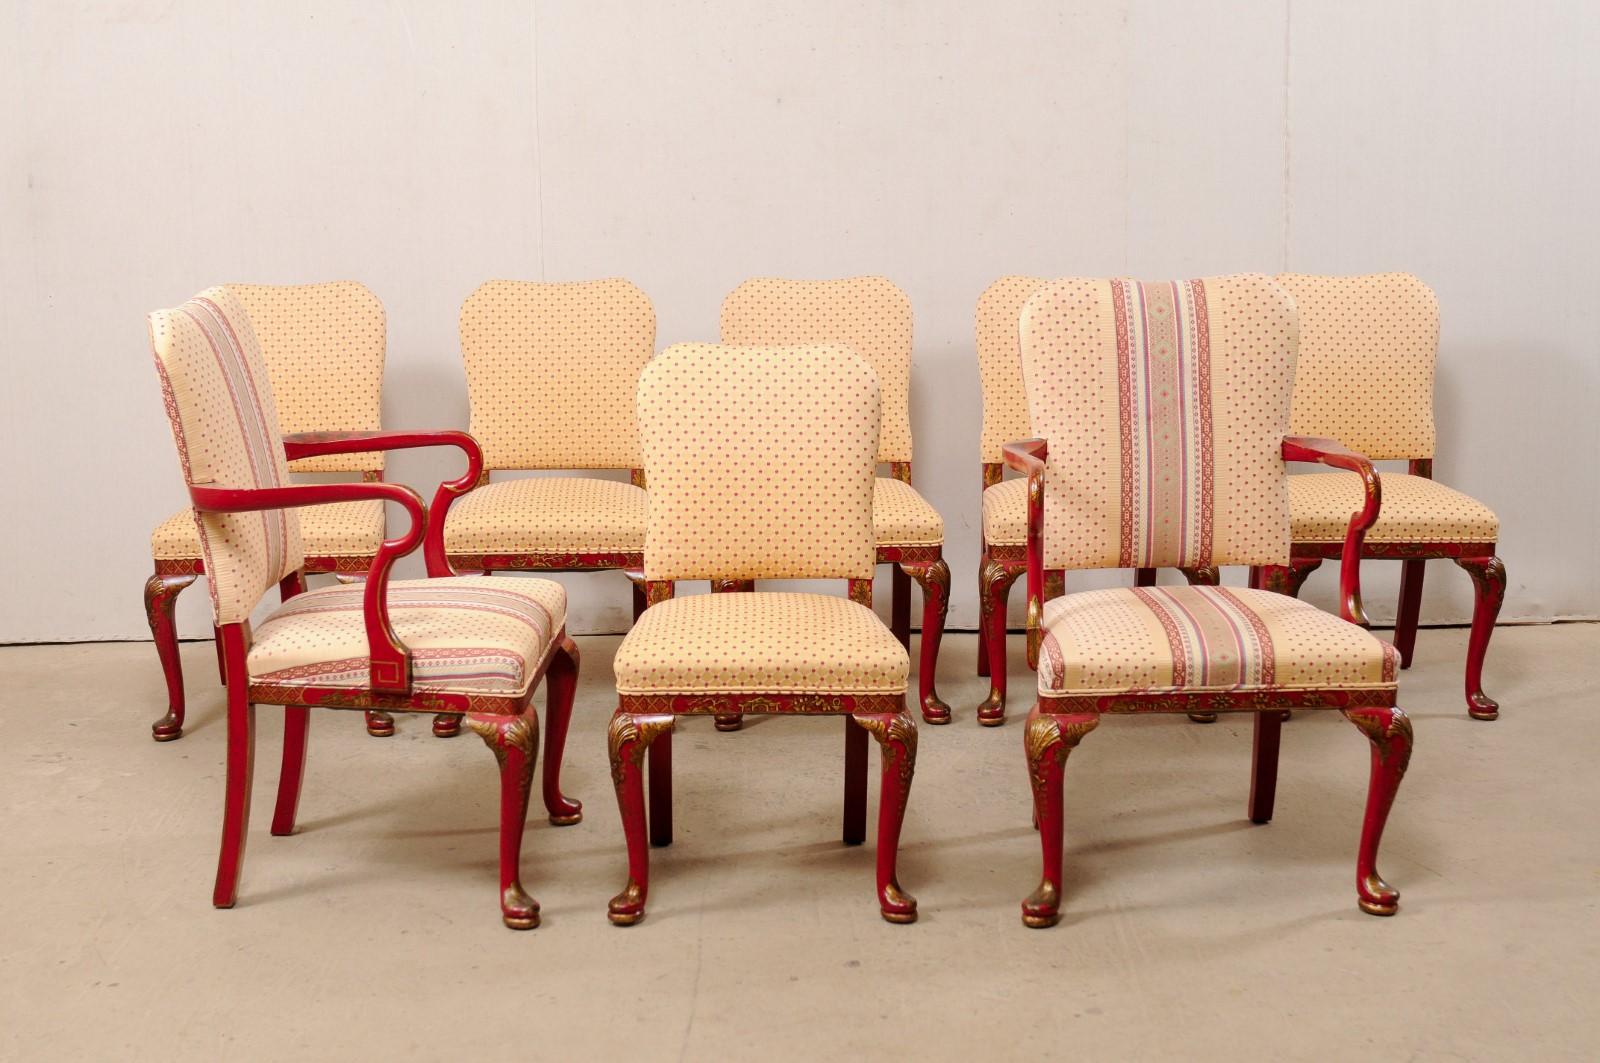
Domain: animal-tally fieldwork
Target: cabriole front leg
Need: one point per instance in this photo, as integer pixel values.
(629, 738)
(1489, 590)
(934, 579)
(1389, 731)
(160, 594)
(514, 741)
(994, 586)
(897, 740)
(1048, 740)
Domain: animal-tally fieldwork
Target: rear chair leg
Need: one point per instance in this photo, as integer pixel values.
(897, 738)
(296, 732)
(628, 738)
(1405, 619)
(934, 579)
(855, 782)
(1489, 590)
(160, 594)
(1389, 731)
(983, 628)
(993, 587)
(1049, 739)
(1264, 765)
(241, 769)
(514, 741)
(561, 685)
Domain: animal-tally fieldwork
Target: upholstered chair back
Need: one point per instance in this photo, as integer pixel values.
(760, 462)
(551, 372)
(219, 401)
(867, 314)
(1164, 405)
(1005, 403)
(324, 346)
(1367, 350)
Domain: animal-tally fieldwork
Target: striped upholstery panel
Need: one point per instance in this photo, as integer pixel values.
(220, 406)
(870, 315)
(1186, 639)
(1165, 406)
(467, 634)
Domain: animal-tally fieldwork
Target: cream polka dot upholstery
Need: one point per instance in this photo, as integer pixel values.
(760, 462)
(342, 529)
(1154, 640)
(551, 371)
(1005, 403)
(869, 315)
(1165, 405)
(1367, 350)
(902, 517)
(467, 635)
(324, 346)
(1415, 510)
(554, 514)
(1005, 513)
(225, 424)
(767, 642)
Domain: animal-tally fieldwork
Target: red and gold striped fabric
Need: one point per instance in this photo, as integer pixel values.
(467, 634)
(1203, 639)
(219, 402)
(1147, 467)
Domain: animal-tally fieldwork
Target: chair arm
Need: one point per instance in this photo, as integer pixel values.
(1028, 456)
(312, 444)
(1336, 454)
(391, 661)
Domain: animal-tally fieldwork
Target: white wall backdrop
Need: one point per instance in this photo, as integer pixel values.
(153, 148)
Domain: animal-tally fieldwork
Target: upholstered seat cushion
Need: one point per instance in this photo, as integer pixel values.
(1198, 639)
(1005, 513)
(548, 515)
(467, 634)
(901, 517)
(760, 642)
(340, 529)
(1415, 509)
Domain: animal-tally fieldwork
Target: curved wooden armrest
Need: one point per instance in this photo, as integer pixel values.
(391, 661)
(1332, 452)
(1029, 456)
(312, 444)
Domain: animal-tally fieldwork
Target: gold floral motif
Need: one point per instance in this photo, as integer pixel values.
(657, 591)
(629, 736)
(861, 592)
(1046, 736)
(1382, 732)
(993, 473)
(896, 734)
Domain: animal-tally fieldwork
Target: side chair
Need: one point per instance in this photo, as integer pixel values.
(760, 462)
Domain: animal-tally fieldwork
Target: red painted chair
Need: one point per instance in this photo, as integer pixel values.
(474, 646)
(1367, 351)
(324, 349)
(760, 463)
(873, 318)
(1166, 410)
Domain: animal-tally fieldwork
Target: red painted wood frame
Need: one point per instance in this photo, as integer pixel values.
(1058, 723)
(1477, 559)
(926, 565)
(629, 562)
(642, 727)
(173, 575)
(508, 725)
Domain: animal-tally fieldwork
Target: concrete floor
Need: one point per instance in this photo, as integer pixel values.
(1189, 933)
